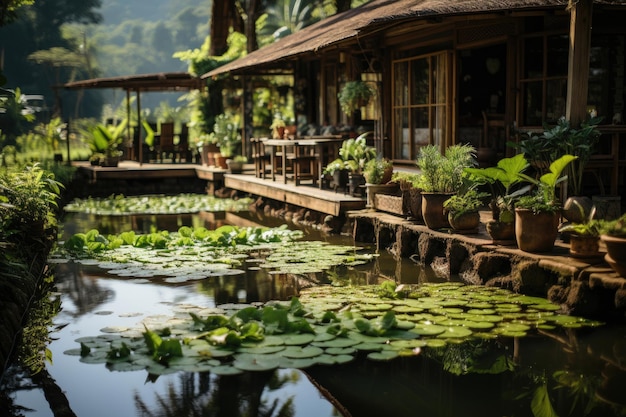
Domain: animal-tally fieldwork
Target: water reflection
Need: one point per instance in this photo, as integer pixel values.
(203, 394)
(565, 372)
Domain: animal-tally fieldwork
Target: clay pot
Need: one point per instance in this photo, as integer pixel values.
(412, 203)
(501, 231)
(432, 210)
(536, 232)
(465, 223)
(584, 246)
(615, 253)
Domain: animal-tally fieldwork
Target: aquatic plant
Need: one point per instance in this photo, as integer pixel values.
(120, 205)
(325, 326)
(197, 253)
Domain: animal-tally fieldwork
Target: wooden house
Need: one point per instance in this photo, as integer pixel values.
(475, 71)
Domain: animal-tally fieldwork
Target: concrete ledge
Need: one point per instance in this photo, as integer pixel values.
(574, 283)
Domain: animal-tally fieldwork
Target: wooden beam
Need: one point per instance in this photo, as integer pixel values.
(578, 65)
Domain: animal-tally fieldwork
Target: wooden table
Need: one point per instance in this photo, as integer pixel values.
(302, 158)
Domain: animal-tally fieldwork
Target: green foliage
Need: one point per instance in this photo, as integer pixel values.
(467, 202)
(616, 227)
(284, 18)
(501, 181)
(121, 205)
(375, 170)
(354, 95)
(563, 139)
(106, 140)
(354, 154)
(543, 197)
(14, 121)
(332, 325)
(28, 197)
(227, 133)
(443, 173)
(406, 179)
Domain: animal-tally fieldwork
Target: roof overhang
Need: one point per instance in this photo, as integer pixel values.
(354, 24)
(162, 81)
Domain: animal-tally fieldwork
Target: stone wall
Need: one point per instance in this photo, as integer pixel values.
(583, 287)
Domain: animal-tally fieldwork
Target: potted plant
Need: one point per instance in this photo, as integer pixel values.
(583, 237)
(227, 136)
(235, 165)
(411, 193)
(563, 139)
(278, 128)
(354, 95)
(462, 209)
(105, 140)
(441, 176)
(378, 173)
(339, 172)
(537, 214)
(501, 181)
(613, 235)
(353, 156)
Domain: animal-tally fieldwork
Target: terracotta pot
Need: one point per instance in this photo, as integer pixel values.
(615, 253)
(432, 210)
(501, 231)
(584, 246)
(412, 203)
(536, 232)
(466, 222)
(220, 161)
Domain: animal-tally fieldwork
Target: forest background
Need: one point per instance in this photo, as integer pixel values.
(57, 41)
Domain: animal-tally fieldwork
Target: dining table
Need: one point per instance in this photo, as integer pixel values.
(301, 158)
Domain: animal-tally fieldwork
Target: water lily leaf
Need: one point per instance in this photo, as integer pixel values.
(305, 352)
(248, 362)
(298, 363)
(225, 370)
(385, 355)
(428, 329)
(339, 342)
(340, 350)
(298, 339)
(455, 332)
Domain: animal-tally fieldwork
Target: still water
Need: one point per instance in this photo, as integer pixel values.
(566, 373)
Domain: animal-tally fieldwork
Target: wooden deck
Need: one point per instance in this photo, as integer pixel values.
(303, 195)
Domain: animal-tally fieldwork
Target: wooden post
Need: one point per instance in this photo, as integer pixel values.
(578, 65)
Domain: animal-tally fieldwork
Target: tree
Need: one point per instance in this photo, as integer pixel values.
(8, 9)
(39, 28)
(287, 17)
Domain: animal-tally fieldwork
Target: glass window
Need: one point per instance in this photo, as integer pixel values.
(420, 103)
(544, 83)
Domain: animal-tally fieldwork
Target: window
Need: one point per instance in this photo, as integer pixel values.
(420, 103)
(544, 79)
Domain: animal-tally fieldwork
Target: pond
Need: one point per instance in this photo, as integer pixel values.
(542, 366)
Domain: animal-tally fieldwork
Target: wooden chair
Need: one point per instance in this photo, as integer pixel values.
(166, 141)
(182, 148)
(303, 161)
(261, 158)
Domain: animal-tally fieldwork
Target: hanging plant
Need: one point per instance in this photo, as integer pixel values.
(354, 95)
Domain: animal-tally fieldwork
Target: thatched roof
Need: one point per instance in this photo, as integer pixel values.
(162, 81)
(368, 18)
